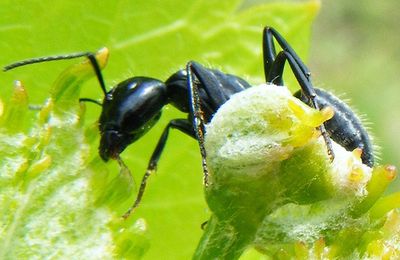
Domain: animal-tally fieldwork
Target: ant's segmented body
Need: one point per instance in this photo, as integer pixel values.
(132, 107)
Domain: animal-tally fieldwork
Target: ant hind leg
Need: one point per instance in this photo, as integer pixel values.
(274, 66)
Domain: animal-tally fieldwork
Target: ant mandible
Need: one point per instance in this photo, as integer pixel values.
(134, 105)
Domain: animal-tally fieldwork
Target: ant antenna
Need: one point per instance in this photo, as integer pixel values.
(91, 56)
(90, 100)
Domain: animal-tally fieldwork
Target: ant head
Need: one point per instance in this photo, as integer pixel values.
(129, 110)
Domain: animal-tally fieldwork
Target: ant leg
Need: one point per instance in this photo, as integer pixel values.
(94, 101)
(196, 112)
(274, 65)
(306, 87)
(276, 72)
(269, 54)
(269, 51)
(181, 124)
(208, 82)
(273, 69)
(91, 56)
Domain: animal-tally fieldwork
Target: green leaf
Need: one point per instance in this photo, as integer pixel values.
(53, 182)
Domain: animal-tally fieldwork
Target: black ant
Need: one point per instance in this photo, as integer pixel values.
(132, 107)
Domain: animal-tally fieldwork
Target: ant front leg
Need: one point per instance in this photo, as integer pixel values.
(216, 97)
(274, 66)
(181, 124)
